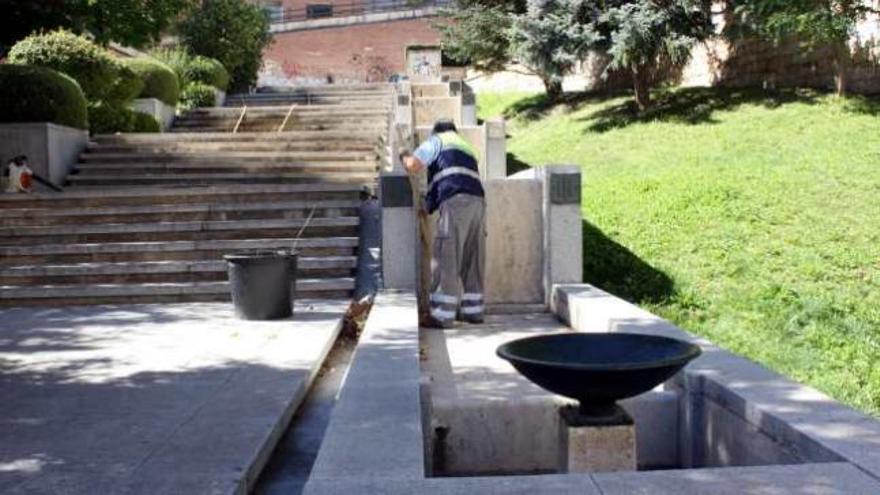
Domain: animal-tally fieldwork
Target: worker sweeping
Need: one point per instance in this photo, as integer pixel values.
(454, 188)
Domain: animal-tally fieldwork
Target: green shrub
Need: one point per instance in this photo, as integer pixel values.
(38, 94)
(107, 118)
(144, 122)
(128, 84)
(90, 65)
(177, 58)
(197, 95)
(160, 81)
(207, 71)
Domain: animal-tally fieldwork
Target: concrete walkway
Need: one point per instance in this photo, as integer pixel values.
(152, 399)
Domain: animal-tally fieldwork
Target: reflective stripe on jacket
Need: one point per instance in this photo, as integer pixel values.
(454, 171)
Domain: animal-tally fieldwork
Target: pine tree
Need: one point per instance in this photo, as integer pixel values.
(551, 37)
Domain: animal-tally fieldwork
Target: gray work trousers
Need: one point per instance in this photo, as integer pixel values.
(457, 264)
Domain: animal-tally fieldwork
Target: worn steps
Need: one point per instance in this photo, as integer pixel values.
(62, 295)
(147, 218)
(67, 253)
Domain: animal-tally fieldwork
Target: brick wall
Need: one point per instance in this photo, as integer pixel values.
(360, 52)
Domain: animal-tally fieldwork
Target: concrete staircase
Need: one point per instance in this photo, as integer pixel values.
(148, 217)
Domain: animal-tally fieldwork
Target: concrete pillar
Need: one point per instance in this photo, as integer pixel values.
(399, 232)
(586, 447)
(496, 149)
(563, 256)
(403, 114)
(468, 109)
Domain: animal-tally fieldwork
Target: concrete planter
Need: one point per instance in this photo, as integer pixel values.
(219, 97)
(160, 110)
(52, 149)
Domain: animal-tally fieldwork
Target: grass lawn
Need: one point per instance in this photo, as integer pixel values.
(749, 218)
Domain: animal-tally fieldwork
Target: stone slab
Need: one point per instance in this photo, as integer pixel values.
(597, 449)
(812, 479)
(180, 398)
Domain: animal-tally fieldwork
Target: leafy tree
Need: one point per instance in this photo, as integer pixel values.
(130, 22)
(815, 23)
(638, 34)
(551, 37)
(234, 32)
(477, 34)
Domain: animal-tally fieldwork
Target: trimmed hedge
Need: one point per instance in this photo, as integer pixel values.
(107, 118)
(38, 94)
(144, 122)
(128, 84)
(207, 71)
(198, 95)
(90, 65)
(160, 81)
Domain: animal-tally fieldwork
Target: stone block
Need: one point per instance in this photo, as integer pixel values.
(52, 149)
(592, 448)
(423, 63)
(427, 111)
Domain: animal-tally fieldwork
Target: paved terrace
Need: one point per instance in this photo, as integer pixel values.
(180, 398)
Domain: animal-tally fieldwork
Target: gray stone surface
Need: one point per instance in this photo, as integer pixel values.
(177, 398)
(52, 149)
(375, 432)
(563, 246)
(805, 479)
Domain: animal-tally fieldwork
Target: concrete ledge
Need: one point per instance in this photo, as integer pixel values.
(332, 22)
(375, 432)
(52, 149)
(809, 479)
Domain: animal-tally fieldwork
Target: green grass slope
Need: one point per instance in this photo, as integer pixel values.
(749, 218)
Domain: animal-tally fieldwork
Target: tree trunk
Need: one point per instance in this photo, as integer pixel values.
(841, 69)
(553, 88)
(641, 87)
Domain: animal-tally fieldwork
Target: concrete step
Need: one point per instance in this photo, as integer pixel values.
(132, 196)
(272, 127)
(230, 157)
(178, 271)
(209, 179)
(178, 231)
(117, 252)
(298, 110)
(242, 147)
(177, 212)
(55, 295)
(220, 167)
(239, 137)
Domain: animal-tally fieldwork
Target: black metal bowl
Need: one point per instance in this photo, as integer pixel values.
(598, 369)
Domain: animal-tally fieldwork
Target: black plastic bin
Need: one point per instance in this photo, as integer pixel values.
(263, 283)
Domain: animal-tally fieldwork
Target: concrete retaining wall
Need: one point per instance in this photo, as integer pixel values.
(52, 149)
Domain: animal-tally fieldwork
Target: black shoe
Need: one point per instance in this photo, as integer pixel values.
(431, 322)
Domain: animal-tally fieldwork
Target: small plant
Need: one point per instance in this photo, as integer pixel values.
(38, 94)
(90, 65)
(107, 118)
(144, 122)
(128, 85)
(177, 58)
(197, 95)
